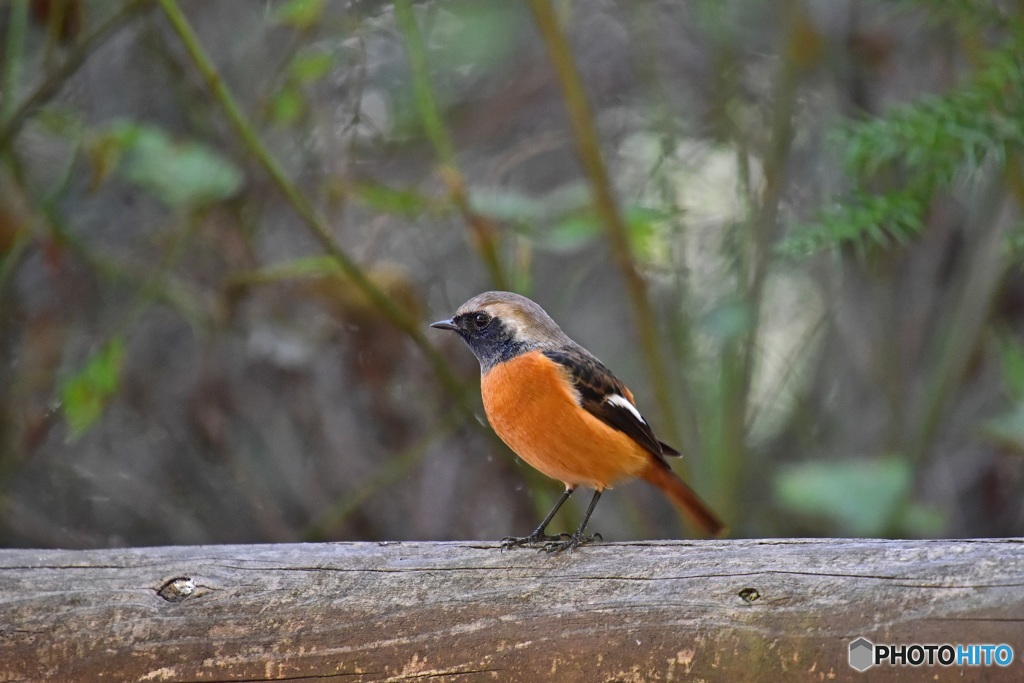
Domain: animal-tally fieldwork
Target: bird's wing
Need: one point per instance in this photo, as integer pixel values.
(606, 398)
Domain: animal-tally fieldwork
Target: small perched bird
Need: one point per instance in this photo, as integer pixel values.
(563, 412)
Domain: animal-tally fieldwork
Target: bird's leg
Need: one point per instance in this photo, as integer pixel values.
(538, 537)
(577, 539)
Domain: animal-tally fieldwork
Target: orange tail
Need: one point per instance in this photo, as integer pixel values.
(660, 476)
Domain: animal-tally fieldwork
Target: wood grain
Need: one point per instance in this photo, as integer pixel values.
(766, 610)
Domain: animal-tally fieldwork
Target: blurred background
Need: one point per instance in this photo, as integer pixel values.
(225, 226)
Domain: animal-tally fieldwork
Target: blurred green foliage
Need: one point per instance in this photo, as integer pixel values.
(289, 103)
(86, 393)
(300, 14)
(898, 161)
(1007, 428)
(820, 254)
(183, 175)
(862, 497)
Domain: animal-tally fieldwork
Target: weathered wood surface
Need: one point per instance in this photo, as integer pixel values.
(468, 611)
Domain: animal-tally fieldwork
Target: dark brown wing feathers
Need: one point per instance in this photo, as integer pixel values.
(595, 384)
(668, 450)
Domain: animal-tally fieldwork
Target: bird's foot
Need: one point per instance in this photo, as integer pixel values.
(570, 542)
(537, 539)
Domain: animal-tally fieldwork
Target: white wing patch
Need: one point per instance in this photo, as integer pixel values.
(623, 402)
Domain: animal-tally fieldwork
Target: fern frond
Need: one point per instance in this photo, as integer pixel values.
(917, 149)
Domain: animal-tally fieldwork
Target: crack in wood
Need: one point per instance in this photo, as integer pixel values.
(442, 674)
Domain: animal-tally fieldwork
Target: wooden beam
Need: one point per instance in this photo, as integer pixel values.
(760, 610)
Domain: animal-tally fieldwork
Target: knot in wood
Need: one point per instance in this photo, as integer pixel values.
(177, 589)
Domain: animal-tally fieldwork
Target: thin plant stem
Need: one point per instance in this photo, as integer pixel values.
(397, 315)
(59, 76)
(762, 233)
(681, 328)
(589, 151)
(13, 56)
(482, 233)
(387, 475)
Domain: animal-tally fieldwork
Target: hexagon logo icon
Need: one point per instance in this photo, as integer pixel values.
(862, 654)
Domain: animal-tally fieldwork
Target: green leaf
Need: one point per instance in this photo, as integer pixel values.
(382, 198)
(60, 122)
(1008, 428)
(578, 227)
(1012, 356)
(860, 496)
(294, 269)
(471, 34)
(571, 233)
(85, 394)
(311, 67)
(286, 106)
(642, 225)
(181, 174)
(301, 14)
(505, 205)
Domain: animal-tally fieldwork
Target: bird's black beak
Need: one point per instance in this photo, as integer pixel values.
(444, 325)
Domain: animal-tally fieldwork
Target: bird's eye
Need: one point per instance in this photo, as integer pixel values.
(481, 320)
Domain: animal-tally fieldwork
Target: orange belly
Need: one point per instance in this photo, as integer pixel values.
(534, 410)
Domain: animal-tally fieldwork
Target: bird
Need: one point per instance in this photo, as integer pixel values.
(564, 413)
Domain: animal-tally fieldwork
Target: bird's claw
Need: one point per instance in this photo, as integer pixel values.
(534, 540)
(570, 542)
(547, 543)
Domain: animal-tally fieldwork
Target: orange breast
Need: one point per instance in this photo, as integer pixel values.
(532, 407)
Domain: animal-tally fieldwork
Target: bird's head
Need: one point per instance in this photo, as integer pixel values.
(499, 326)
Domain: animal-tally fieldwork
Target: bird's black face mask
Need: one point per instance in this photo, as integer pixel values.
(490, 339)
